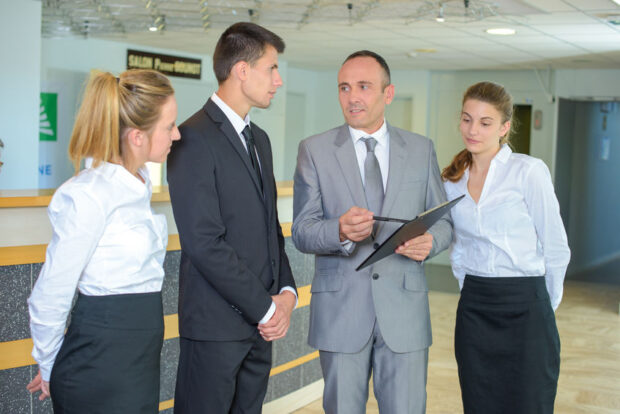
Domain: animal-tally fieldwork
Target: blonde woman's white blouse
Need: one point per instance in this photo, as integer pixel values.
(106, 241)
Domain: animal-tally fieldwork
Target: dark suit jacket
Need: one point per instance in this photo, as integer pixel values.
(233, 256)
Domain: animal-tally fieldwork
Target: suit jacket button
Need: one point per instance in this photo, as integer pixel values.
(375, 245)
(375, 276)
(273, 263)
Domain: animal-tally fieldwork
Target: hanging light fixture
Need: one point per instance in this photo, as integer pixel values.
(205, 15)
(159, 23)
(455, 11)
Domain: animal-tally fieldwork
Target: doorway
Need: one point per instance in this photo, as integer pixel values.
(522, 119)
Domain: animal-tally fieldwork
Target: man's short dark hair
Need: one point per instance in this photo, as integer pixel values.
(242, 42)
(375, 56)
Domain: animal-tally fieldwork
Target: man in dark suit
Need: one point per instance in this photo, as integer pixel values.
(236, 288)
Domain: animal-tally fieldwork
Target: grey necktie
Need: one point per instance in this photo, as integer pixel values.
(372, 176)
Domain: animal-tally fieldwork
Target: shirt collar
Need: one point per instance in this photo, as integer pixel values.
(381, 135)
(237, 122)
(503, 154)
(124, 173)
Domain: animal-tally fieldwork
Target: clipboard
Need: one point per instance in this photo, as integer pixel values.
(408, 231)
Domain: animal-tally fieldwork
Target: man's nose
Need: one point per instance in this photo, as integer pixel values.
(277, 79)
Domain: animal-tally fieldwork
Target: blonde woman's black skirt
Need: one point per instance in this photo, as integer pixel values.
(109, 359)
(507, 346)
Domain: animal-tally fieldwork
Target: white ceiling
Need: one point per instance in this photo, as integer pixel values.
(320, 34)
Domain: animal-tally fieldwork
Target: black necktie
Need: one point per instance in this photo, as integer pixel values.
(249, 142)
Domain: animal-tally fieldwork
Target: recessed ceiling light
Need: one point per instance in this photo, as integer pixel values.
(617, 2)
(412, 54)
(425, 50)
(501, 31)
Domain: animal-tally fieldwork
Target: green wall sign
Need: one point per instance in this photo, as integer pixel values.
(48, 117)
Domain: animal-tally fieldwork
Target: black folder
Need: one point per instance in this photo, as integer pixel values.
(408, 231)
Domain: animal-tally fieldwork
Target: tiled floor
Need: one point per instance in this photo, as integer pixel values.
(589, 326)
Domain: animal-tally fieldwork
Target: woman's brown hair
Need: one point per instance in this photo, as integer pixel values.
(112, 105)
(491, 93)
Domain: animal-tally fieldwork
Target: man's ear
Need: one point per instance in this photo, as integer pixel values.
(240, 70)
(389, 93)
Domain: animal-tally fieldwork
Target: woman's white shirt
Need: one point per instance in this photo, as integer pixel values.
(515, 229)
(106, 241)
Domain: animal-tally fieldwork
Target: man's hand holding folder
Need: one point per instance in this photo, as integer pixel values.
(417, 248)
(412, 239)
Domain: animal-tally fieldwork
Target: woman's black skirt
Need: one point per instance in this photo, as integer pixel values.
(109, 360)
(507, 346)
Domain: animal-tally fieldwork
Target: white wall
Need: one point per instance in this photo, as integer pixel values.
(272, 120)
(578, 83)
(446, 94)
(67, 63)
(191, 94)
(20, 30)
(83, 55)
(415, 84)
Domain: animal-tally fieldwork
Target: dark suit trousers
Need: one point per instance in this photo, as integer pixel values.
(222, 377)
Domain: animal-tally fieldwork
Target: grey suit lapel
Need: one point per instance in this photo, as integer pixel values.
(345, 154)
(397, 166)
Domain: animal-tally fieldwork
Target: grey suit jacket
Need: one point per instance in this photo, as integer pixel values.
(345, 302)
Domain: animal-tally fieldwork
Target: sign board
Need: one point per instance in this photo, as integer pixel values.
(48, 111)
(167, 64)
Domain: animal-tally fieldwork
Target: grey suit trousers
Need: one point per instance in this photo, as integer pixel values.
(399, 379)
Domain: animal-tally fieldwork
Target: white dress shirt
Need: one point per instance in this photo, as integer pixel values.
(382, 151)
(106, 241)
(515, 229)
(239, 125)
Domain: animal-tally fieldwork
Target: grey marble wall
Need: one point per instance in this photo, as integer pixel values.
(16, 283)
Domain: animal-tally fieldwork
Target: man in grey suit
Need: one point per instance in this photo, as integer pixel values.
(375, 320)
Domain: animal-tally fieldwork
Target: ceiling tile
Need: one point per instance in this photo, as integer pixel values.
(547, 30)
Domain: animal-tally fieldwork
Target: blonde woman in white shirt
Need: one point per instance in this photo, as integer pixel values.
(510, 256)
(109, 245)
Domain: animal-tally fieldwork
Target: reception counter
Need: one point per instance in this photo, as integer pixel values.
(295, 377)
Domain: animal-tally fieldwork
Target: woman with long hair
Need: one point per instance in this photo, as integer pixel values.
(109, 245)
(510, 256)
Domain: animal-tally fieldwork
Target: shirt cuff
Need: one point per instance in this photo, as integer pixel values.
(46, 372)
(348, 245)
(272, 308)
(269, 314)
(290, 289)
